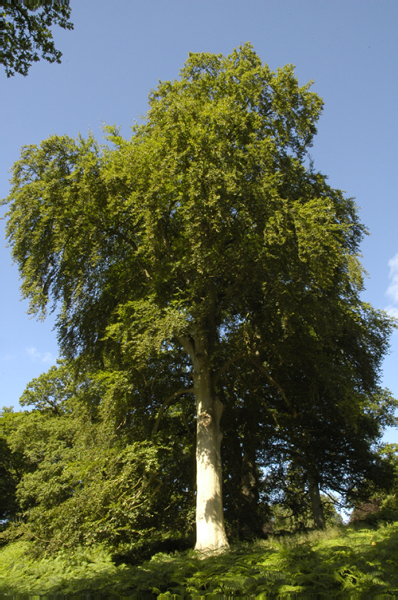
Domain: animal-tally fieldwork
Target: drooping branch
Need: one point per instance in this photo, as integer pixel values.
(225, 366)
(165, 405)
(263, 370)
(184, 418)
(125, 238)
(333, 501)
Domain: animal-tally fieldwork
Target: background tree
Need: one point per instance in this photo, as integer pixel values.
(85, 480)
(27, 36)
(372, 504)
(12, 466)
(316, 414)
(185, 238)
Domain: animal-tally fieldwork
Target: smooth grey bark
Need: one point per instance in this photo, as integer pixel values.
(317, 508)
(210, 530)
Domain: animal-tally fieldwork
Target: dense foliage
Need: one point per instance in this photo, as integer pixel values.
(74, 476)
(201, 268)
(82, 481)
(27, 34)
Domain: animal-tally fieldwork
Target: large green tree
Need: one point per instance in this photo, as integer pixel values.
(183, 238)
(27, 36)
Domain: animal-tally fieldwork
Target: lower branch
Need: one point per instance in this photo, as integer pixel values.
(165, 405)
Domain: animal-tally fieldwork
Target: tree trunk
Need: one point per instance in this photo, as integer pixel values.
(250, 522)
(210, 531)
(249, 479)
(317, 509)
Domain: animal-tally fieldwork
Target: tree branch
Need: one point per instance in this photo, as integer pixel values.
(225, 366)
(125, 238)
(165, 405)
(332, 500)
(263, 370)
(187, 343)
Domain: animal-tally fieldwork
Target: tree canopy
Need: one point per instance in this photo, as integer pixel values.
(27, 35)
(205, 241)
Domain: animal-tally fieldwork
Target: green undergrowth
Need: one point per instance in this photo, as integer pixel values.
(341, 562)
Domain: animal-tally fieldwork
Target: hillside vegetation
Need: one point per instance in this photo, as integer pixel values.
(353, 560)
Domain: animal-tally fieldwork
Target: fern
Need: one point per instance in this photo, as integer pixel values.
(341, 562)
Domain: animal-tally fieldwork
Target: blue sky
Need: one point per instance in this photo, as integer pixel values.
(119, 51)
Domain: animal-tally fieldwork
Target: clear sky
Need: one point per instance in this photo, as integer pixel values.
(119, 51)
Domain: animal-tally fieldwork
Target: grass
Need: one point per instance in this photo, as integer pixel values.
(344, 562)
